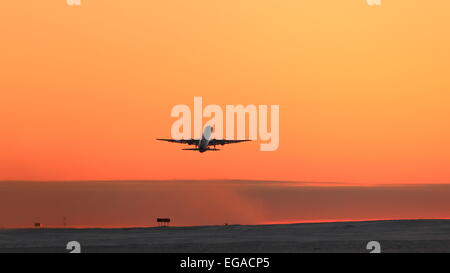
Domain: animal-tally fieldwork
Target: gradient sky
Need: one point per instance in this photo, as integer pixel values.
(363, 91)
(139, 203)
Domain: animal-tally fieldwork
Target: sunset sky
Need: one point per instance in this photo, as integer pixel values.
(212, 202)
(363, 91)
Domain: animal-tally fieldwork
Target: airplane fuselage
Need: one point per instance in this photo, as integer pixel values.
(203, 144)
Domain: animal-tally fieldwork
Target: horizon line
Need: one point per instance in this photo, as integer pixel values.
(271, 223)
(306, 183)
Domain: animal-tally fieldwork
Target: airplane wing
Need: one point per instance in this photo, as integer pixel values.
(225, 141)
(182, 141)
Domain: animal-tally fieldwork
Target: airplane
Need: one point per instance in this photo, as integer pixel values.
(203, 144)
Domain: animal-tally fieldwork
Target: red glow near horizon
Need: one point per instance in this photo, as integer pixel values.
(198, 203)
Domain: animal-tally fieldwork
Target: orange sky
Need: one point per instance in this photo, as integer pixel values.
(363, 91)
(139, 203)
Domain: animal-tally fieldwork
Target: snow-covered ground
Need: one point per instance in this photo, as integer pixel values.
(394, 236)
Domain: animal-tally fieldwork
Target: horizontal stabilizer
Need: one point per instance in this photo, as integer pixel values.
(196, 149)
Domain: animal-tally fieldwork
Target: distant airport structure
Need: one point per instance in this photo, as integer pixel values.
(163, 222)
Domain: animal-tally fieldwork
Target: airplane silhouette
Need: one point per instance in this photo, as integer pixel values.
(203, 144)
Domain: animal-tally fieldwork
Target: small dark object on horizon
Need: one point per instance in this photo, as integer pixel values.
(163, 222)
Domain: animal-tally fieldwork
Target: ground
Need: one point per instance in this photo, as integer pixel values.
(394, 236)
